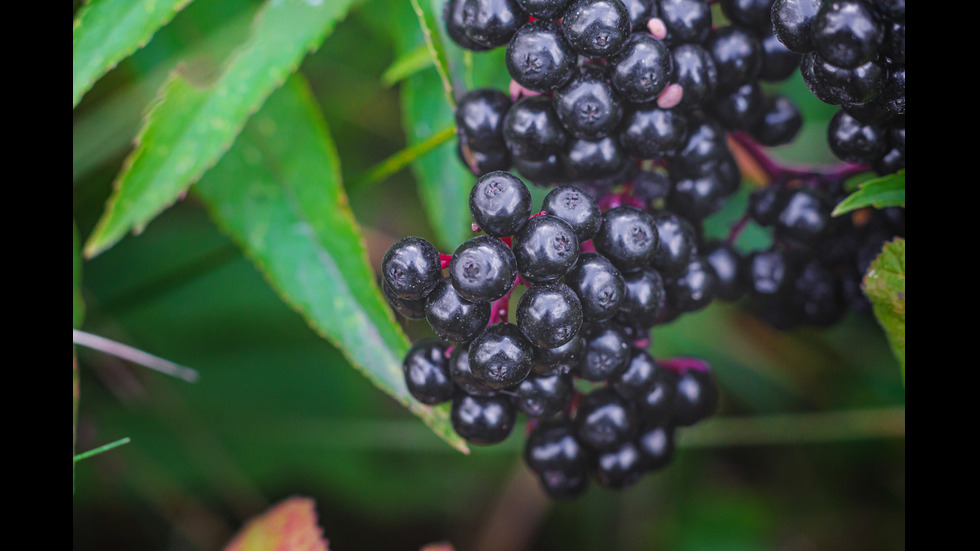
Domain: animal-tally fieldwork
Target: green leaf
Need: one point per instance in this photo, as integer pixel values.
(887, 191)
(407, 65)
(278, 193)
(106, 31)
(190, 127)
(885, 286)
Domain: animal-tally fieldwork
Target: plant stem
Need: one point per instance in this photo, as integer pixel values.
(134, 355)
(777, 171)
(100, 449)
(400, 160)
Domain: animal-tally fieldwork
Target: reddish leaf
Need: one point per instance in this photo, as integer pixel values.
(288, 526)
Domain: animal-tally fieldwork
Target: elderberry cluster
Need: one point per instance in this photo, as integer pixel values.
(593, 289)
(607, 92)
(854, 56)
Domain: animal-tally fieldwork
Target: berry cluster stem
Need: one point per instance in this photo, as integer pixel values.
(680, 365)
(776, 171)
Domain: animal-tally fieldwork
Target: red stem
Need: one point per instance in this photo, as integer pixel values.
(499, 308)
(680, 365)
(778, 171)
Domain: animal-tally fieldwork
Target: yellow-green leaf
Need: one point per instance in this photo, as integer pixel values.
(278, 193)
(106, 31)
(191, 127)
(887, 191)
(884, 284)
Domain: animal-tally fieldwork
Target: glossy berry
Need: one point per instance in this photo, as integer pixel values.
(481, 162)
(754, 15)
(454, 15)
(532, 129)
(555, 454)
(539, 58)
(656, 446)
(562, 358)
(779, 122)
(598, 284)
(770, 275)
(619, 467)
(593, 159)
(462, 375)
(677, 243)
(645, 297)
(741, 108)
(649, 132)
(696, 398)
(604, 419)
(729, 265)
(628, 238)
(426, 371)
(491, 23)
(855, 142)
(737, 55)
(549, 315)
(818, 295)
(641, 373)
(695, 71)
(576, 207)
(500, 203)
(846, 33)
(778, 62)
(482, 269)
(836, 85)
(545, 248)
(588, 106)
(694, 288)
(804, 217)
(500, 356)
(687, 21)
(480, 114)
(545, 172)
(656, 403)
(451, 316)
(541, 396)
(412, 268)
(483, 419)
(606, 355)
(792, 21)
(409, 308)
(596, 28)
(642, 69)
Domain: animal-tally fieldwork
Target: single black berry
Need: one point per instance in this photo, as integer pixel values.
(545, 248)
(604, 419)
(549, 315)
(628, 238)
(451, 316)
(500, 203)
(500, 356)
(576, 207)
(426, 370)
(539, 58)
(482, 269)
(596, 28)
(599, 286)
(412, 268)
(483, 419)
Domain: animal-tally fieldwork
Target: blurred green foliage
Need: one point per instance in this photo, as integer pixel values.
(278, 411)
